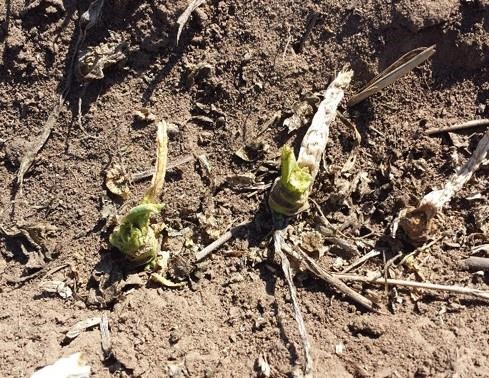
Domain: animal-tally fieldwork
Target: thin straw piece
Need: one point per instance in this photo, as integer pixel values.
(421, 285)
(395, 71)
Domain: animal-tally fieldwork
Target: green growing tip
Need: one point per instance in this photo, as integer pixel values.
(134, 237)
(295, 180)
(289, 194)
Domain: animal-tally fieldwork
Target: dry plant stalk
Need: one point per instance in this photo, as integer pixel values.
(290, 192)
(475, 263)
(279, 244)
(459, 126)
(182, 20)
(318, 271)
(421, 285)
(395, 71)
(416, 223)
(74, 365)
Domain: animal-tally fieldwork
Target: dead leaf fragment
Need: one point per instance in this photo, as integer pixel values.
(105, 335)
(162, 280)
(59, 287)
(302, 112)
(116, 181)
(75, 365)
(204, 163)
(81, 326)
(36, 146)
(95, 59)
(252, 151)
(210, 225)
(262, 367)
(144, 114)
(395, 71)
(241, 181)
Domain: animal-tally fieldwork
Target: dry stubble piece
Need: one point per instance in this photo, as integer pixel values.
(395, 71)
(116, 181)
(75, 365)
(417, 223)
(59, 287)
(94, 60)
(182, 20)
(301, 113)
(81, 326)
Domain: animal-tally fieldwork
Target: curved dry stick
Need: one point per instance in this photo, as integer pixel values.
(182, 20)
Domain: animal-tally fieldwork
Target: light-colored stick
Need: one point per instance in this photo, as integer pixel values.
(278, 244)
(316, 269)
(201, 255)
(421, 285)
(458, 126)
(360, 261)
(439, 197)
(182, 20)
(475, 263)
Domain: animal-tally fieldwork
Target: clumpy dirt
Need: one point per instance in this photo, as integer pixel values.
(236, 65)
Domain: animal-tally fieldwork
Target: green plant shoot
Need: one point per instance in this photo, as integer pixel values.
(134, 236)
(295, 180)
(292, 190)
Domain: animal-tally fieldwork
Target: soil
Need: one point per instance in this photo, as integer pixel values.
(238, 63)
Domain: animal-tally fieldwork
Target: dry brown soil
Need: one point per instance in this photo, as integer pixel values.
(237, 306)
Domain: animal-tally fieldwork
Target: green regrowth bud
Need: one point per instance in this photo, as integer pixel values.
(135, 237)
(295, 180)
(290, 193)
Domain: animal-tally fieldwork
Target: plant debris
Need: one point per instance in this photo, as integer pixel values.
(105, 336)
(116, 181)
(145, 115)
(309, 362)
(75, 365)
(81, 326)
(395, 71)
(182, 20)
(300, 117)
(476, 293)
(36, 145)
(93, 60)
(458, 127)
(58, 287)
(87, 20)
(252, 151)
(262, 367)
(416, 223)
